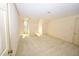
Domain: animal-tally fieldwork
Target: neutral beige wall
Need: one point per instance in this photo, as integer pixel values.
(62, 28)
(33, 26)
(45, 26)
(76, 32)
(13, 27)
(21, 24)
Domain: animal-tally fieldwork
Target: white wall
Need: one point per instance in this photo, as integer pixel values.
(62, 28)
(3, 19)
(13, 27)
(2, 32)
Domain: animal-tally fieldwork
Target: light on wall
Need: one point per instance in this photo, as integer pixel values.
(26, 25)
(40, 24)
(26, 28)
(40, 27)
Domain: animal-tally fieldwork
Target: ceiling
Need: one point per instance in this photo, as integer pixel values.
(47, 11)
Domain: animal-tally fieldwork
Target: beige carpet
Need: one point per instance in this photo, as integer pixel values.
(46, 46)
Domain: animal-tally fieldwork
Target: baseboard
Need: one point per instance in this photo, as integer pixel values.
(5, 53)
(61, 39)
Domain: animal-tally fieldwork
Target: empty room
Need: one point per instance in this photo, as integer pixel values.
(39, 29)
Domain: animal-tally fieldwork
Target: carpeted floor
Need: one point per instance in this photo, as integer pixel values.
(46, 46)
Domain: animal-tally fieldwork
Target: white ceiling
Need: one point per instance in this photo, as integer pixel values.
(47, 11)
